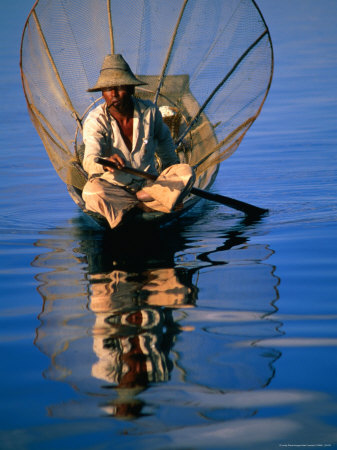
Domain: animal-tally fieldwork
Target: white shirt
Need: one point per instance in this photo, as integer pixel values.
(102, 137)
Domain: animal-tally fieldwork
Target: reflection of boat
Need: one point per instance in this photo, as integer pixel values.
(113, 328)
(211, 66)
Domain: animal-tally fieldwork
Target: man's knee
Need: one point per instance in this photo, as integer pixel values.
(186, 173)
(93, 187)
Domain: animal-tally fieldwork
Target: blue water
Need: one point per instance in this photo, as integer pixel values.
(229, 326)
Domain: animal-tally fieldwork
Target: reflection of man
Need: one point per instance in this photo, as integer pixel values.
(129, 349)
(129, 132)
(134, 330)
(133, 342)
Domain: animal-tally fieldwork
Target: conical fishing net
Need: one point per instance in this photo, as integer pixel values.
(208, 62)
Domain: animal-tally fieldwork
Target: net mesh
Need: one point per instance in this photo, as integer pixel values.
(210, 61)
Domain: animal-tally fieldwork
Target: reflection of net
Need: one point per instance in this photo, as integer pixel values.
(213, 64)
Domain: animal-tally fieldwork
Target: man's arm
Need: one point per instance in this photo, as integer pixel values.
(97, 143)
(94, 142)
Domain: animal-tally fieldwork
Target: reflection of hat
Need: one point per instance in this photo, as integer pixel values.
(115, 71)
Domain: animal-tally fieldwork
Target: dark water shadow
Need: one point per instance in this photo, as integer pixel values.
(114, 305)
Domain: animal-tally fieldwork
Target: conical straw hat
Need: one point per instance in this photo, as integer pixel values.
(115, 71)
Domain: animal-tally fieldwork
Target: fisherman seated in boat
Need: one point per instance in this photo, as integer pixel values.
(129, 132)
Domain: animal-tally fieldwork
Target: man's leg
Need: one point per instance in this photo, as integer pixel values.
(111, 201)
(172, 185)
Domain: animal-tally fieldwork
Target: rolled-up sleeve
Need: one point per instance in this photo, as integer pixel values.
(94, 138)
(165, 145)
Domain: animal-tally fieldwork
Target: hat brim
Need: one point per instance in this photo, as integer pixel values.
(115, 81)
(98, 88)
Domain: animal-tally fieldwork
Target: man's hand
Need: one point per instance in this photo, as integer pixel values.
(116, 159)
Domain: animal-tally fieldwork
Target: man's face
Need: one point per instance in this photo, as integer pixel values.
(117, 98)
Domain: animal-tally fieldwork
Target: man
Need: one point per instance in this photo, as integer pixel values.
(129, 132)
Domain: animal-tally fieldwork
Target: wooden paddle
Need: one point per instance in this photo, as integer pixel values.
(248, 209)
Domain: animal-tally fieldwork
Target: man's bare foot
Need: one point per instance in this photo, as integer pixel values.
(144, 197)
(178, 206)
(143, 207)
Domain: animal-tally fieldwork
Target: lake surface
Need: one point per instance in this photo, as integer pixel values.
(229, 326)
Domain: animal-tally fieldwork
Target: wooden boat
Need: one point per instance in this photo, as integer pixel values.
(211, 67)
